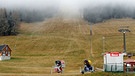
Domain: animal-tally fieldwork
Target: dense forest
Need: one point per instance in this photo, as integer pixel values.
(102, 13)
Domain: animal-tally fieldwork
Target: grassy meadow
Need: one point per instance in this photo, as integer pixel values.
(39, 44)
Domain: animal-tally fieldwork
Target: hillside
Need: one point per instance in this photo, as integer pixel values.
(40, 44)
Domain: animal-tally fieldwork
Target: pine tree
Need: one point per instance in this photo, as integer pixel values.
(3, 22)
(13, 21)
(9, 22)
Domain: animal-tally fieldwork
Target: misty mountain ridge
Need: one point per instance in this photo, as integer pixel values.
(91, 13)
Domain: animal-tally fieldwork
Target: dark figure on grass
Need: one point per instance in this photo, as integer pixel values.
(58, 66)
(87, 66)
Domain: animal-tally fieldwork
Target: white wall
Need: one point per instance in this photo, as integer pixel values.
(113, 62)
(4, 57)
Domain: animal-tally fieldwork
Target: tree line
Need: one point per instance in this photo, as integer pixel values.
(10, 18)
(35, 15)
(9, 22)
(102, 13)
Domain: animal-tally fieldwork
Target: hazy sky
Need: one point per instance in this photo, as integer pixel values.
(61, 3)
(64, 5)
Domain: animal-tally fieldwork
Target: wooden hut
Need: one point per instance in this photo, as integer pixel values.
(5, 52)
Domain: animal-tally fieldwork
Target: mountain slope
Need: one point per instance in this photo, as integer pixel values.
(40, 44)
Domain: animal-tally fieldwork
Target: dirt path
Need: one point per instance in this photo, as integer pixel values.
(83, 30)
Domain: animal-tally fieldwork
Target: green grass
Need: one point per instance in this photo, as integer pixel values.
(110, 74)
(38, 45)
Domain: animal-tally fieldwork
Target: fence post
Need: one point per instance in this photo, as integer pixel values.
(80, 69)
(51, 69)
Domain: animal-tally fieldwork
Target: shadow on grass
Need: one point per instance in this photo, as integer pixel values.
(16, 59)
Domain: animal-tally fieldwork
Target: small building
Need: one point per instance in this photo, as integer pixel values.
(129, 65)
(5, 52)
(113, 62)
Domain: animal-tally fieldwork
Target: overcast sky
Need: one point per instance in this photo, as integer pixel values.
(61, 3)
(64, 5)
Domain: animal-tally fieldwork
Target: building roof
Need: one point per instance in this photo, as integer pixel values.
(3, 46)
(129, 60)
